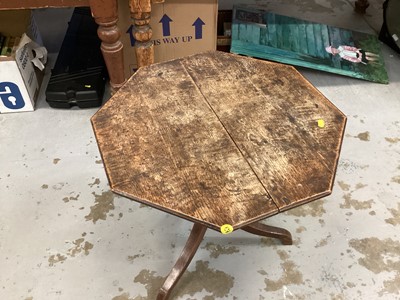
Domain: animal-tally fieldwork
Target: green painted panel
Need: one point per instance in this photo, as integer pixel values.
(319, 46)
(325, 39)
(294, 37)
(302, 43)
(264, 36)
(310, 39)
(279, 29)
(243, 32)
(285, 23)
(235, 31)
(255, 34)
(272, 34)
(287, 57)
(303, 47)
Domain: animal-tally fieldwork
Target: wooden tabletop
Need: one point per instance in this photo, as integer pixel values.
(218, 139)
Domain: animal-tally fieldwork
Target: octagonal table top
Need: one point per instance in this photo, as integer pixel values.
(217, 138)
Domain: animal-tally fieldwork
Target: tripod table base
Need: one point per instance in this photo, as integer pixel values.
(193, 243)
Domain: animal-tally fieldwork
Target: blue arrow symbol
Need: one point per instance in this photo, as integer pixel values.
(130, 31)
(198, 28)
(165, 20)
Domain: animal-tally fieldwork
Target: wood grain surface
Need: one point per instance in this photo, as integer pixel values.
(219, 139)
(272, 114)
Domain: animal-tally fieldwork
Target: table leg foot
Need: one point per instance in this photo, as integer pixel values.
(270, 231)
(192, 244)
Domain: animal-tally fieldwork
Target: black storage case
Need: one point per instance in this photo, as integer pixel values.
(387, 34)
(79, 75)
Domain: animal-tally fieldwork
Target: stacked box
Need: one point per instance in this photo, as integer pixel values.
(19, 79)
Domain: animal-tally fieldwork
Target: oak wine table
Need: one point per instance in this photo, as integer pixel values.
(221, 140)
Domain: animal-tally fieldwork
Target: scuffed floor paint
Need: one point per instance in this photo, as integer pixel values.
(395, 220)
(217, 250)
(77, 247)
(363, 136)
(104, 203)
(214, 282)
(381, 256)
(290, 274)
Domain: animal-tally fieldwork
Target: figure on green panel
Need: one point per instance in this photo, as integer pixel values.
(353, 54)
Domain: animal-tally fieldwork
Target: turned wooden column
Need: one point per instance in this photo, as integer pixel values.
(105, 14)
(141, 14)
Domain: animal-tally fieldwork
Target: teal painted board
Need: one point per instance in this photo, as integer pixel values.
(262, 34)
(325, 38)
(272, 35)
(319, 46)
(242, 32)
(235, 31)
(254, 31)
(288, 57)
(310, 40)
(294, 37)
(285, 25)
(302, 38)
(279, 28)
(249, 33)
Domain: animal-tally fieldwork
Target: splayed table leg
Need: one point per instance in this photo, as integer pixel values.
(192, 244)
(269, 231)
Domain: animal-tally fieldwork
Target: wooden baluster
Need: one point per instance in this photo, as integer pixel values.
(105, 14)
(140, 14)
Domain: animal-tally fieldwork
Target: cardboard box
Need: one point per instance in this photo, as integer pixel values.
(180, 28)
(19, 79)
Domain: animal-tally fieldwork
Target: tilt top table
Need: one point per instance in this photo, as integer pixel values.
(221, 140)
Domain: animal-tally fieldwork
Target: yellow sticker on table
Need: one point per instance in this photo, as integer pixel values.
(321, 123)
(226, 228)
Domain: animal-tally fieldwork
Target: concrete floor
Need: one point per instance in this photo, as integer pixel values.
(64, 235)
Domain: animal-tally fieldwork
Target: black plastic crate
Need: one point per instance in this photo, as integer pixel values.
(79, 75)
